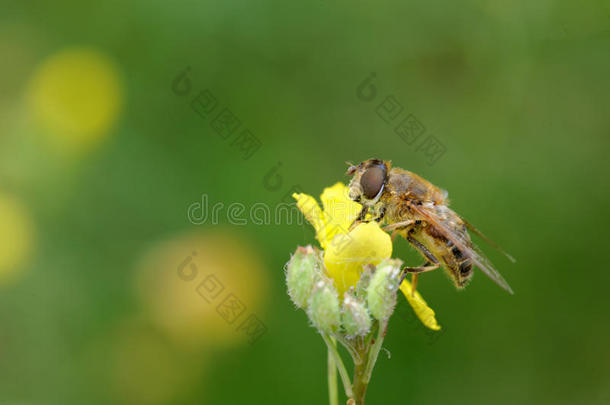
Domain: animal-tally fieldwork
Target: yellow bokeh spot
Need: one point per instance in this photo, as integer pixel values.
(15, 237)
(75, 97)
(201, 287)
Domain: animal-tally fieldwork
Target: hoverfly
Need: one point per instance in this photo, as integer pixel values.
(417, 210)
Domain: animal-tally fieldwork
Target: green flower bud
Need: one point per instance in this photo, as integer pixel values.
(365, 279)
(381, 292)
(355, 317)
(302, 271)
(323, 309)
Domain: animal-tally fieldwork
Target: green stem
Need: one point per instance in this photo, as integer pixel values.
(333, 394)
(360, 383)
(332, 348)
(375, 349)
(363, 369)
(350, 348)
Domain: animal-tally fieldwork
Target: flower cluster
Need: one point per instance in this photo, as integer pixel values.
(373, 297)
(348, 287)
(349, 262)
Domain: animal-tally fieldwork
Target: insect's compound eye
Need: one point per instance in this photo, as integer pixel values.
(372, 180)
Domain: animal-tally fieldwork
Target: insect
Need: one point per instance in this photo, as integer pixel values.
(415, 209)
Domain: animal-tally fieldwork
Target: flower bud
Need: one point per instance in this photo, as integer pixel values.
(364, 281)
(323, 308)
(381, 293)
(355, 317)
(302, 271)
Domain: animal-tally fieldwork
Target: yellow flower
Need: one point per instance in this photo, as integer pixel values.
(347, 252)
(425, 314)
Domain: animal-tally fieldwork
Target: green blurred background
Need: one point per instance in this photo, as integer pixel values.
(101, 157)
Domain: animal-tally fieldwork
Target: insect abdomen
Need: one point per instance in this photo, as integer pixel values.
(461, 266)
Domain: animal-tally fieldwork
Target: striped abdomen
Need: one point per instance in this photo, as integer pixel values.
(457, 265)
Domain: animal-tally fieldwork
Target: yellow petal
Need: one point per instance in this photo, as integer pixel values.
(314, 215)
(346, 255)
(339, 209)
(422, 310)
(338, 215)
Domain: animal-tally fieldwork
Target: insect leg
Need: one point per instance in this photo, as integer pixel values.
(404, 273)
(422, 249)
(399, 225)
(414, 278)
(363, 212)
(415, 271)
(426, 267)
(360, 217)
(381, 215)
(431, 264)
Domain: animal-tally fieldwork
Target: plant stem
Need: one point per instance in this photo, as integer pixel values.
(333, 395)
(364, 368)
(360, 383)
(375, 349)
(332, 349)
(349, 347)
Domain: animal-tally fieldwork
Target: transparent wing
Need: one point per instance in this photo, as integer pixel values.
(489, 241)
(429, 215)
